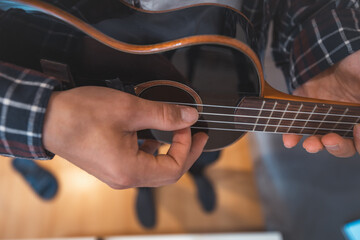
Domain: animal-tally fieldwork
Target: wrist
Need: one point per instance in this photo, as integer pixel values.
(50, 122)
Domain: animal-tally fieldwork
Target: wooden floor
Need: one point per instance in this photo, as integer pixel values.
(86, 207)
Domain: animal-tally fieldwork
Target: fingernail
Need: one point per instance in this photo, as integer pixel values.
(287, 145)
(332, 147)
(315, 150)
(189, 114)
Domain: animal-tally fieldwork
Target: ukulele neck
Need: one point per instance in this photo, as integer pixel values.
(308, 118)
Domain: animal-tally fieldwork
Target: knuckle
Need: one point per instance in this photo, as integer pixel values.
(178, 177)
(119, 179)
(178, 173)
(168, 114)
(115, 186)
(125, 180)
(174, 176)
(164, 114)
(172, 181)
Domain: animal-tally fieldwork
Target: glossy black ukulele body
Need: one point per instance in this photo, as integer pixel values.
(185, 56)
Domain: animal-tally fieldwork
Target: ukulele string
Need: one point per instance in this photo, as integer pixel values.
(254, 125)
(270, 118)
(260, 109)
(246, 130)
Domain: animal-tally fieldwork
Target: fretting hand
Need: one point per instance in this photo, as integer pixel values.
(95, 129)
(341, 82)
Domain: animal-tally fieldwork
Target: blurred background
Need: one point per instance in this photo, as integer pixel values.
(84, 206)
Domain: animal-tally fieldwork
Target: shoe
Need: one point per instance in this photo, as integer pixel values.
(145, 207)
(205, 159)
(40, 180)
(205, 192)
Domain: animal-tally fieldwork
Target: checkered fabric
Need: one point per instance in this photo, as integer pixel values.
(309, 37)
(24, 96)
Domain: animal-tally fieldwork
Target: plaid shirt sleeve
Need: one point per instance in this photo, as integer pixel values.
(24, 95)
(311, 36)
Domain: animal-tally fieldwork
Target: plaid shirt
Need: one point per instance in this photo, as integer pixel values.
(24, 95)
(309, 36)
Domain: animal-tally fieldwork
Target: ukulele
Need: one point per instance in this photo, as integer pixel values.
(204, 56)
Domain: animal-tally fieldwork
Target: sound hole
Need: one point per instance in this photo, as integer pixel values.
(166, 93)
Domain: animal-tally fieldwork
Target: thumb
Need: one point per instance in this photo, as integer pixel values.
(163, 116)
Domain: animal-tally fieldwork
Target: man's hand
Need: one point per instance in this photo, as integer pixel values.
(95, 129)
(339, 83)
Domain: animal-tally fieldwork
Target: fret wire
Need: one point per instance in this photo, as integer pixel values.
(292, 123)
(270, 117)
(351, 128)
(323, 120)
(250, 116)
(307, 121)
(255, 109)
(269, 125)
(260, 113)
(244, 130)
(340, 119)
(282, 116)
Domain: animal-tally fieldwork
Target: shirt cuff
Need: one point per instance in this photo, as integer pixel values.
(24, 96)
(323, 41)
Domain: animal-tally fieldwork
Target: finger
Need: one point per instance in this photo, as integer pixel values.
(166, 168)
(199, 141)
(290, 140)
(313, 144)
(180, 160)
(162, 116)
(300, 91)
(180, 146)
(338, 146)
(357, 137)
(150, 146)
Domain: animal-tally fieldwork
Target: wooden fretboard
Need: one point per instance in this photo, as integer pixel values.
(281, 116)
